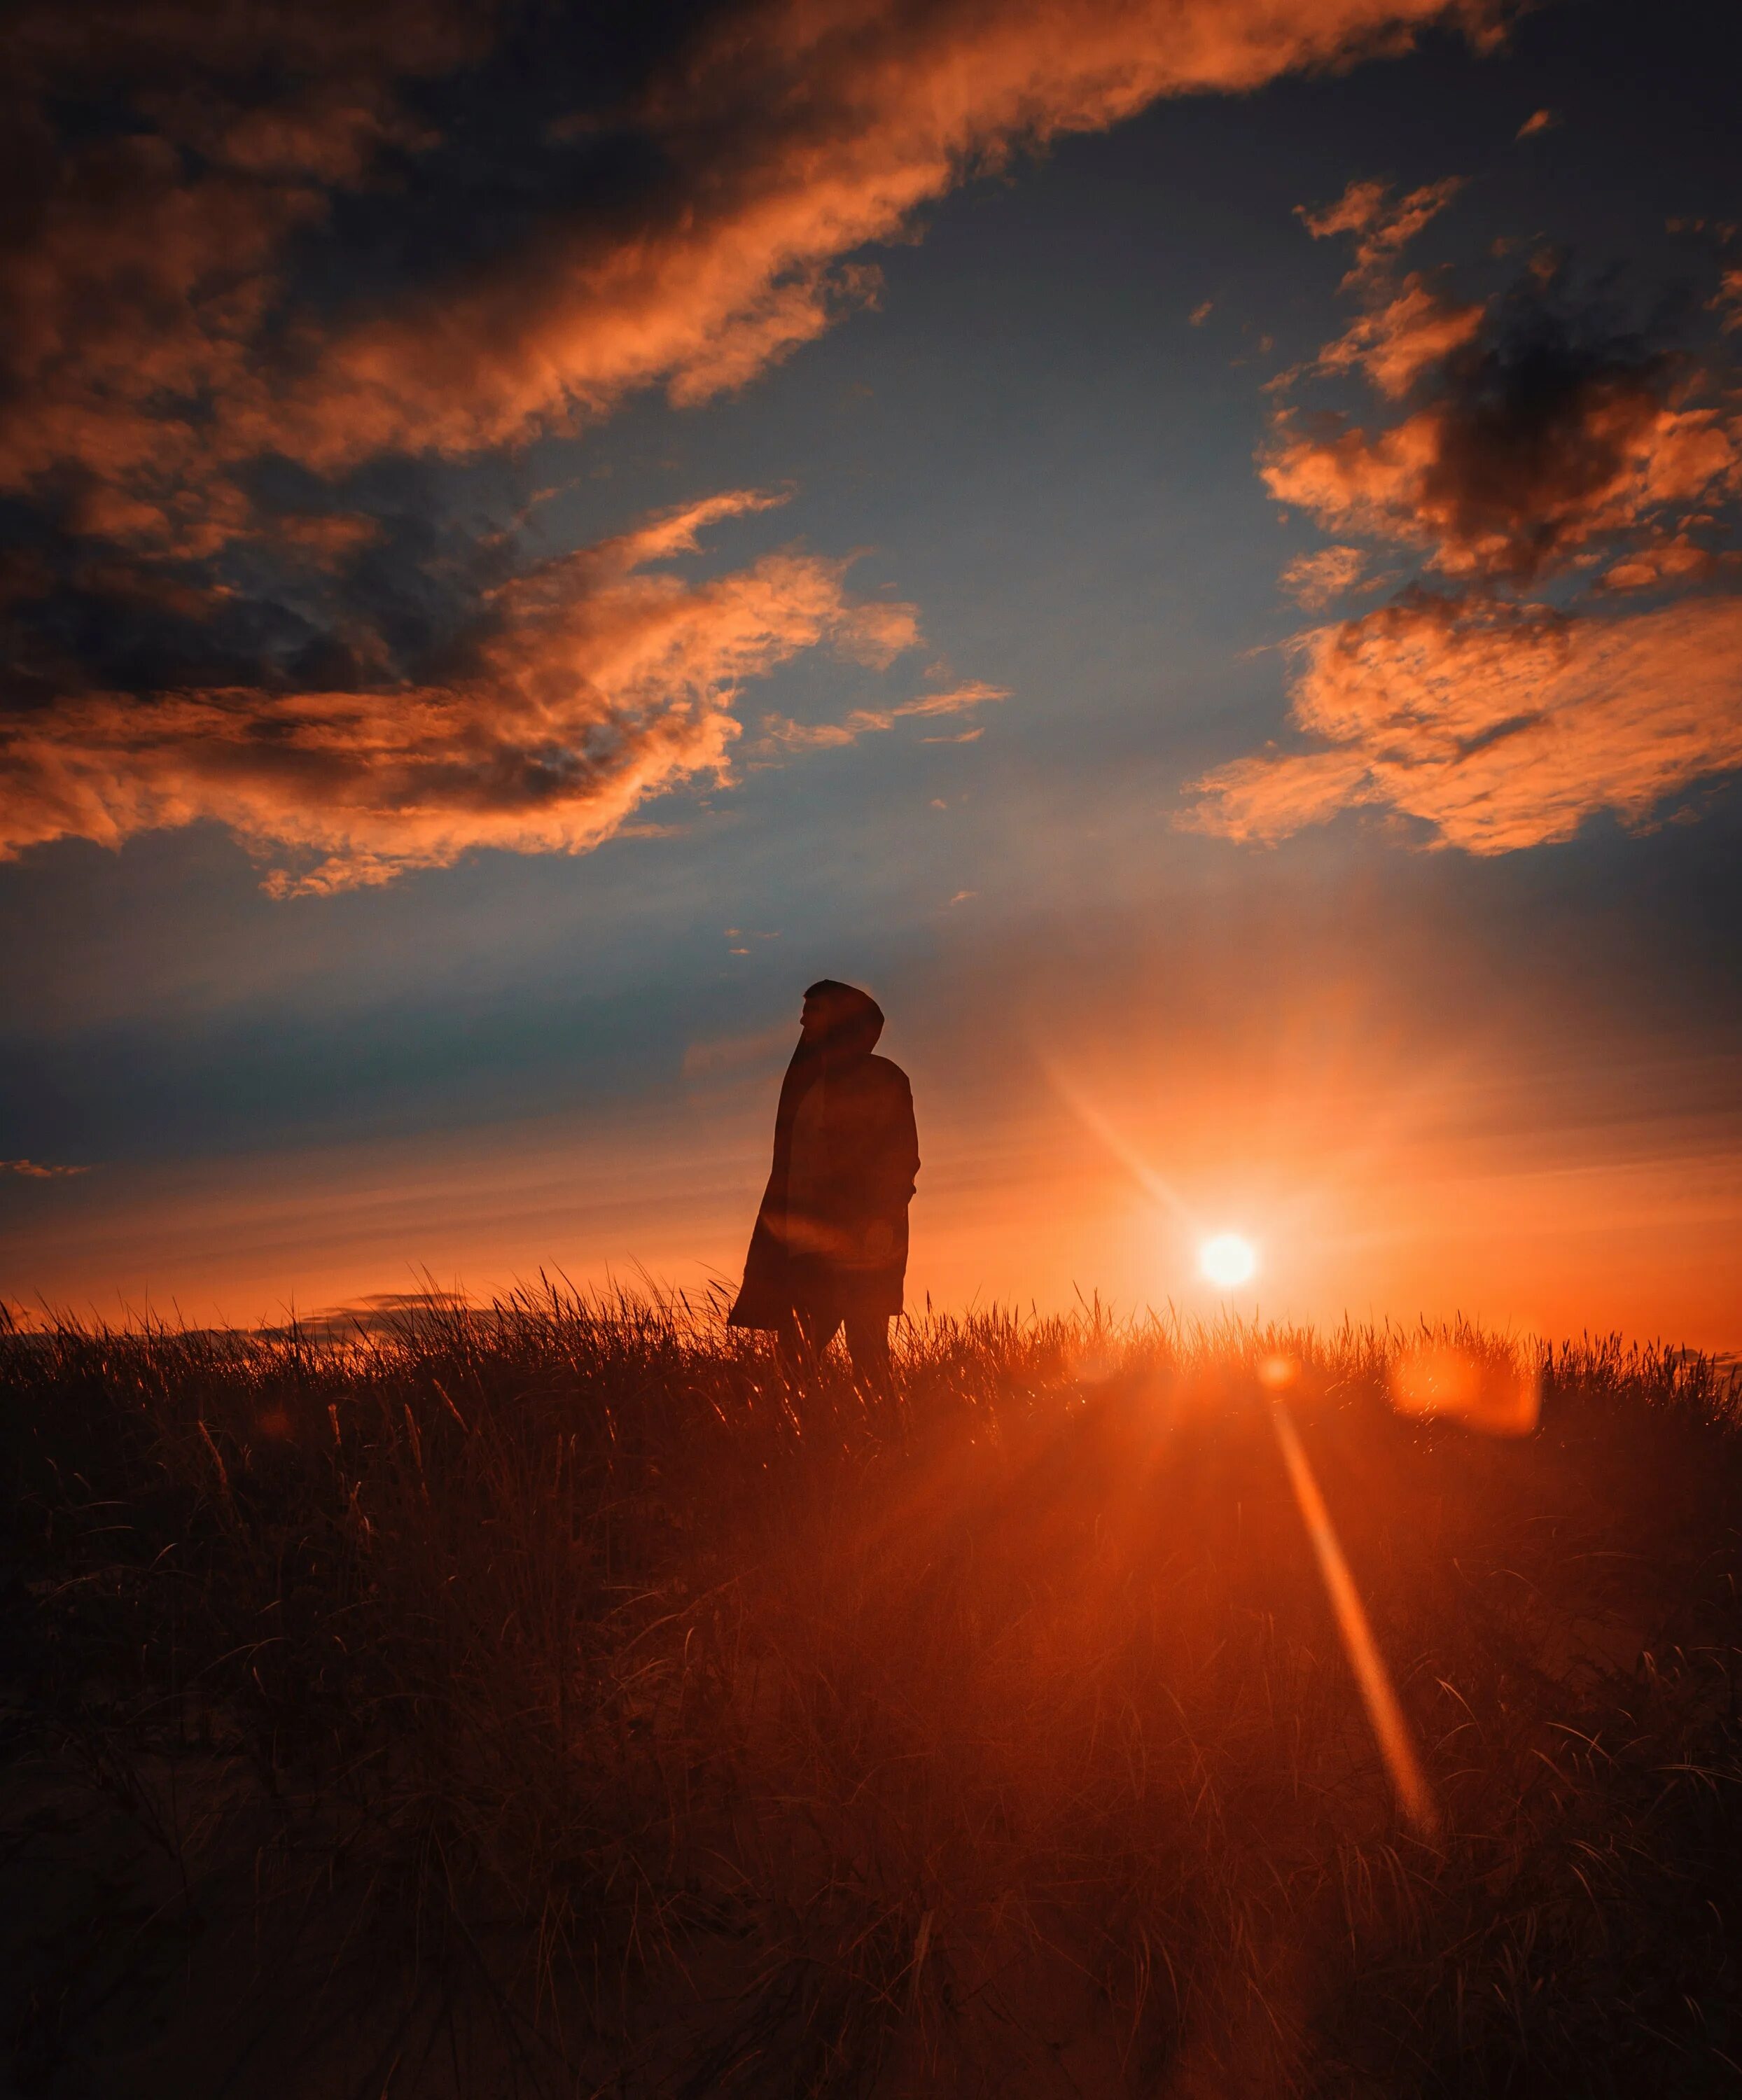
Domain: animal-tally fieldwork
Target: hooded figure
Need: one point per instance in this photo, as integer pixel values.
(830, 1244)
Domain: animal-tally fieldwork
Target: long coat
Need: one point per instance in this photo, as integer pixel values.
(844, 1243)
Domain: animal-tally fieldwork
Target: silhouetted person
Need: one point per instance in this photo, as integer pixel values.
(830, 1244)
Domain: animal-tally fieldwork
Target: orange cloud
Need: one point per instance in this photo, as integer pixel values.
(1540, 455)
(1398, 342)
(593, 686)
(1382, 227)
(807, 129)
(975, 694)
(190, 329)
(1314, 579)
(1497, 727)
(1670, 560)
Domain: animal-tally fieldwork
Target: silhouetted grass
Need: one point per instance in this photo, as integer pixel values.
(550, 1700)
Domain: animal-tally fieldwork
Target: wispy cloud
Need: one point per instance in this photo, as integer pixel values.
(33, 1170)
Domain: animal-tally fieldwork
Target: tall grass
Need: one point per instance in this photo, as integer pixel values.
(554, 1699)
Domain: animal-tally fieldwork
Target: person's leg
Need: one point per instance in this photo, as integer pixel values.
(868, 1345)
(805, 1337)
(790, 1348)
(822, 1323)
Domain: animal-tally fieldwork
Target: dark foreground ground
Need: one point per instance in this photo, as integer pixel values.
(551, 1702)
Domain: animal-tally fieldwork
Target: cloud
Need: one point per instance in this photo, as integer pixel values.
(1382, 227)
(1527, 443)
(1497, 727)
(144, 263)
(1535, 447)
(1675, 560)
(589, 685)
(1540, 120)
(32, 1170)
(1314, 579)
(789, 735)
(975, 694)
(1397, 344)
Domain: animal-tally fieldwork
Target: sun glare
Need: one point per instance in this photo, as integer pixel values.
(1228, 1259)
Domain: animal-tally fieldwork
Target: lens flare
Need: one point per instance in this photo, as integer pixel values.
(1496, 1390)
(1228, 1260)
(1390, 1729)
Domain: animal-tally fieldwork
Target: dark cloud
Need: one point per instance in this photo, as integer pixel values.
(1535, 447)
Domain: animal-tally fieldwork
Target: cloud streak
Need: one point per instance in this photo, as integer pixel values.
(783, 733)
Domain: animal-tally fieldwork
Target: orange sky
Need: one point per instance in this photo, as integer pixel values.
(1369, 1193)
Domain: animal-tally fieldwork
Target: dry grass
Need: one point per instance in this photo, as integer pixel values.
(549, 1700)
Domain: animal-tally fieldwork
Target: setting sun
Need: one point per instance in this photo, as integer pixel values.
(1228, 1259)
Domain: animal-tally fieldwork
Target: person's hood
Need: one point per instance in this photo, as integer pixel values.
(856, 1022)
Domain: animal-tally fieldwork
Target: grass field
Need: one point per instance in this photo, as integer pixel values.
(552, 1701)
